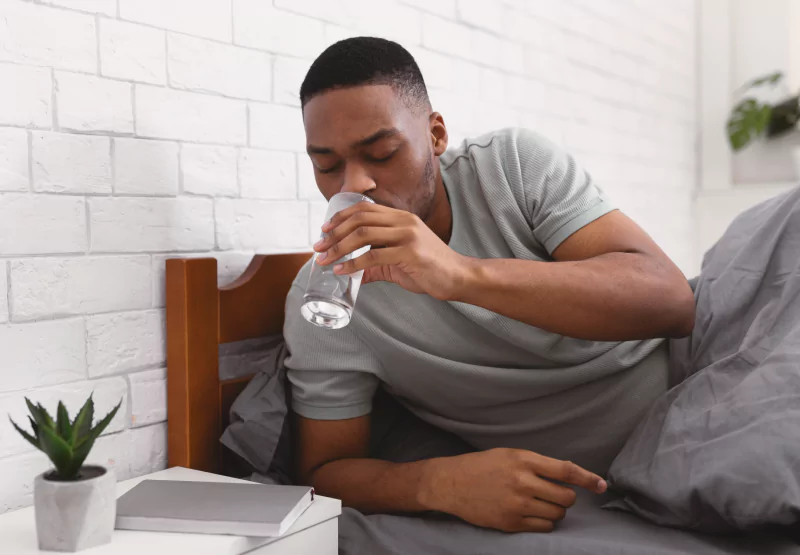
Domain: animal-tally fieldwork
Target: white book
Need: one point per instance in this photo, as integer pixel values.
(240, 509)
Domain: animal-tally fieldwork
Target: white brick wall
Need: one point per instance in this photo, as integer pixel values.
(140, 225)
(258, 25)
(145, 167)
(289, 75)
(203, 18)
(57, 287)
(3, 293)
(206, 66)
(29, 102)
(209, 170)
(41, 224)
(147, 450)
(148, 397)
(139, 130)
(266, 118)
(251, 225)
(125, 341)
(42, 36)
(42, 353)
(169, 114)
(86, 103)
(132, 52)
(446, 8)
(13, 160)
(268, 175)
(106, 7)
(64, 163)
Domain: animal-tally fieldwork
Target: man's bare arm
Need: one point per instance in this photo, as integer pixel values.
(333, 458)
(610, 282)
(505, 489)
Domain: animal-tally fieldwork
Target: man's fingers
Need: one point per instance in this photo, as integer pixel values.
(567, 472)
(542, 509)
(533, 524)
(549, 492)
(343, 215)
(348, 226)
(361, 237)
(370, 259)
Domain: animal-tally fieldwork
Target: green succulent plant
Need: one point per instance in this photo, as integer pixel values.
(66, 443)
(751, 118)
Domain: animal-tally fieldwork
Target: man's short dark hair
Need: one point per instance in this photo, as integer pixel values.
(366, 61)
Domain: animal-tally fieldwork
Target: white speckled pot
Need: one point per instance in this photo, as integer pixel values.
(72, 516)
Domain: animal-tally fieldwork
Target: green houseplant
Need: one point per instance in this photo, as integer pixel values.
(751, 119)
(75, 504)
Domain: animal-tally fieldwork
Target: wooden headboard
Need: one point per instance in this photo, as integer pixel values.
(200, 317)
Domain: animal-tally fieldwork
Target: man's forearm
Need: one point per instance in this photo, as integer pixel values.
(374, 486)
(612, 297)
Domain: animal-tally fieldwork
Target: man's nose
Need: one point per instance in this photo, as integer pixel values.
(356, 180)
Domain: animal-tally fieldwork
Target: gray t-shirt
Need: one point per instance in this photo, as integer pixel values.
(494, 381)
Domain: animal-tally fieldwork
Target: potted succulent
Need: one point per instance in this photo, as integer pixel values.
(751, 118)
(75, 504)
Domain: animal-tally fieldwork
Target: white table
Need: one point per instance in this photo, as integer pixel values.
(316, 531)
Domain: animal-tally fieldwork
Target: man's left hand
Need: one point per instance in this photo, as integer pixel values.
(403, 250)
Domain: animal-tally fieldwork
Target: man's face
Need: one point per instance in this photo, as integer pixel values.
(367, 140)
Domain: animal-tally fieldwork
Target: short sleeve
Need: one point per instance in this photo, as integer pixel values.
(332, 372)
(560, 196)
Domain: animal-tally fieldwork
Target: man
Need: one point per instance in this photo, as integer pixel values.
(509, 304)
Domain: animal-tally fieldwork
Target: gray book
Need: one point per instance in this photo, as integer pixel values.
(212, 507)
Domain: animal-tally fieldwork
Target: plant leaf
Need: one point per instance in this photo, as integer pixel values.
(32, 440)
(95, 432)
(40, 415)
(98, 429)
(86, 441)
(46, 415)
(747, 122)
(34, 427)
(63, 426)
(764, 113)
(58, 451)
(79, 455)
(769, 79)
(83, 421)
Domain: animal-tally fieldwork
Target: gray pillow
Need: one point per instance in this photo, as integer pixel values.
(720, 451)
(259, 431)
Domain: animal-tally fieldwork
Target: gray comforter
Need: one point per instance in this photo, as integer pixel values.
(589, 529)
(726, 436)
(721, 450)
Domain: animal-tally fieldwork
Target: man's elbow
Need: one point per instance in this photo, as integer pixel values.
(681, 311)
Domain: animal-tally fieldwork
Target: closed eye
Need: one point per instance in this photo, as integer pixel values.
(329, 170)
(384, 159)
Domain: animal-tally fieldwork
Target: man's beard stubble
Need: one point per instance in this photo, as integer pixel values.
(421, 198)
(427, 187)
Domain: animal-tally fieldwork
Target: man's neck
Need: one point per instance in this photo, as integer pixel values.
(440, 219)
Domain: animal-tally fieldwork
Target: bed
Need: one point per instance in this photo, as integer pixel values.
(202, 317)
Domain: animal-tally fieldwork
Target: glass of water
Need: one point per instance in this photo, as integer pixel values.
(330, 298)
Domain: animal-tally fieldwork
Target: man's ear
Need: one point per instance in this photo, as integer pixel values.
(438, 133)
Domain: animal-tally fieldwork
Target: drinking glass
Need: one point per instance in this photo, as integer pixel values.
(330, 298)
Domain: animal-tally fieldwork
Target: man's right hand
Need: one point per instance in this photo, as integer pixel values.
(505, 489)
